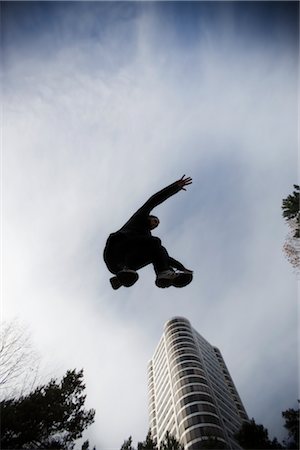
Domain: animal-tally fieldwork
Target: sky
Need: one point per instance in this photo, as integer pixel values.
(106, 103)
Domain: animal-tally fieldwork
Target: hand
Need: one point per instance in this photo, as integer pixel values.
(184, 182)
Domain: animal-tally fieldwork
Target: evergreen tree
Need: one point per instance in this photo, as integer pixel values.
(127, 444)
(212, 443)
(148, 444)
(170, 443)
(291, 417)
(52, 416)
(86, 446)
(253, 436)
(290, 208)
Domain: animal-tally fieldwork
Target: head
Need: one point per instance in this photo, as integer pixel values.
(153, 222)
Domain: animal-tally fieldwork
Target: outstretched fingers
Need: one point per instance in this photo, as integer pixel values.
(187, 180)
(184, 181)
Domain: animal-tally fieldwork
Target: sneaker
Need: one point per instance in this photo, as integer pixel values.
(165, 279)
(115, 283)
(183, 278)
(127, 277)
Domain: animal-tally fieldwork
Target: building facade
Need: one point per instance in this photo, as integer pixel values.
(191, 393)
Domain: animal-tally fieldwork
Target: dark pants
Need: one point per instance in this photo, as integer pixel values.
(137, 252)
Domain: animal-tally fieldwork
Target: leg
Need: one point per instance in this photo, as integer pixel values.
(144, 251)
(150, 251)
(176, 264)
(114, 256)
(184, 276)
(124, 256)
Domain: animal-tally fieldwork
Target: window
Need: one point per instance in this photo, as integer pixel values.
(195, 398)
(192, 379)
(198, 419)
(195, 408)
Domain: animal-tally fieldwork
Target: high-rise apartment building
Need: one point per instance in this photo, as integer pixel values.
(191, 393)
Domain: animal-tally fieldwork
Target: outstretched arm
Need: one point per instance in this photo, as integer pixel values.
(138, 218)
(165, 193)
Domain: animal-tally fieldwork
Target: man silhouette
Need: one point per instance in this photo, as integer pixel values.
(133, 246)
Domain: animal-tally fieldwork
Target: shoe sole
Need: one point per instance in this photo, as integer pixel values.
(127, 278)
(163, 283)
(182, 280)
(115, 283)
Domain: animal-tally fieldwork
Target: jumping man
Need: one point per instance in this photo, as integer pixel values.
(133, 246)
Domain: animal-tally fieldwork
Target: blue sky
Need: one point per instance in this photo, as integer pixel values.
(105, 103)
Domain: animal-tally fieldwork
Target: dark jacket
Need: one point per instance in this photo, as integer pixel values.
(137, 226)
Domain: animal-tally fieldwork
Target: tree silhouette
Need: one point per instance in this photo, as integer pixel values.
(212, 443)
(169, 443)
(290, 207)
(127, 444)
(52, 416)
(148, 444)
(291, 417)
(253, 436)
(86, 446)
(290, 211)
(19, 363)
